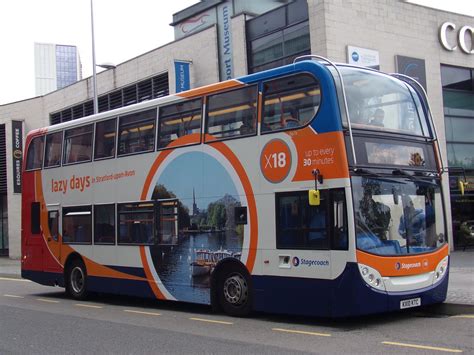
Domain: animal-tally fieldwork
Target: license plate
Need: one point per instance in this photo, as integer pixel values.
(414, 302)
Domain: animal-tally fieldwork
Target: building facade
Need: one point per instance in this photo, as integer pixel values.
(219, 39)
(56, 66)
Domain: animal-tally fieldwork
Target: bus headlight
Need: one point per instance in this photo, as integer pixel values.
(441, 270)
(372, 277)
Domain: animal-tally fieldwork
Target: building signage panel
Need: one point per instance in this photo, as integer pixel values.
(181, 71)
(363, 57)
(412, 67)
(450, 39)
(17, 154)
(195, 24)
(224, 25)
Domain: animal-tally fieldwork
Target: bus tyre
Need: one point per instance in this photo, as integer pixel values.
(234, 290)
(76, 276)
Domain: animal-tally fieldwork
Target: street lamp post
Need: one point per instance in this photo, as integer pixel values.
(94, 73)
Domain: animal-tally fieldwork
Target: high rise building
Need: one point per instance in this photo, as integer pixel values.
(56, 66)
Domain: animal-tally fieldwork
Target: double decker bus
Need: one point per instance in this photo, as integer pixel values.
(312, 188)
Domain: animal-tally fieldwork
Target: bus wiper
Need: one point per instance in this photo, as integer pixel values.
(366, 172)
(411, 177)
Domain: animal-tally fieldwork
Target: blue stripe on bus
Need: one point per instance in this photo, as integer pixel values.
(348, 295)
(43, 277)
(123, 287)
(135, 271)
(329, 114)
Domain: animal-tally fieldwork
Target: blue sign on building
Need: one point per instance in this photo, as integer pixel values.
(181, 70)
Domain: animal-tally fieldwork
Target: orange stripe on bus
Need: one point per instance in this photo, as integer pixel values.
(224, 150)
(149, 275)
(209, 89)
(151, 174)
(393, 265)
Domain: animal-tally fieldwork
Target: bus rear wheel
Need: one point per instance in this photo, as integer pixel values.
(234, 291)
(76, 276)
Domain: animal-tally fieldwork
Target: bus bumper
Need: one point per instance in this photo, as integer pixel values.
(346, 296)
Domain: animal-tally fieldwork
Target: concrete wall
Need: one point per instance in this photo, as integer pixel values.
(239, 44)
(45, 68)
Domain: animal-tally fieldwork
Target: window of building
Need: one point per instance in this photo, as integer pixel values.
(77, 225)
(458, 97)
(279, 36)
(147, 89)
(78, 144)
(456, 78)
(178, 120)
(34, 158)
(290, 102)
(232, 113)
(137, 132)
(105, 133)
(104, 224)
(53, 149)
(136, 223)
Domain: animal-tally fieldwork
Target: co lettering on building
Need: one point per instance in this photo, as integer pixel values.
(464, 37)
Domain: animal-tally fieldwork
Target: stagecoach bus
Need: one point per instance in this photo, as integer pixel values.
(313, 188)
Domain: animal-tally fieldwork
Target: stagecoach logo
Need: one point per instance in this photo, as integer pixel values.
(409, 266)
(296, 261)
(308, 262)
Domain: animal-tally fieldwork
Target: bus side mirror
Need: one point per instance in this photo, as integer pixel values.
(314, 197)
(462, 185)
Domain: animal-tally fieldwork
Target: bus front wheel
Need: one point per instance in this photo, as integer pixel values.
(234, 290)
(76, 275)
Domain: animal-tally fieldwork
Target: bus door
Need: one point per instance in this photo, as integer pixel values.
(52, 251)
(306, 235)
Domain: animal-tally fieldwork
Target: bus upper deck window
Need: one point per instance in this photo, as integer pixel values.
(178, 120)
(105, 139)
(232, 113)
(290, 102)
(137, 132)
(53, 149)
(380, 102)
(78, 144)
(34, 158)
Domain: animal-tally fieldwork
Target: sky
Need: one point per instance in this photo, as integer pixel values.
(123, 30)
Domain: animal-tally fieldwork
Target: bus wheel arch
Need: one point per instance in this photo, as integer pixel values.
(232, 288)
(75, 277)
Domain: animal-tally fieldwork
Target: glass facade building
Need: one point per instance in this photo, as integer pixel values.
(66, 65)
(56, 66)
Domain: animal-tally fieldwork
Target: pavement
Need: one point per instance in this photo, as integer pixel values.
(460, 297)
